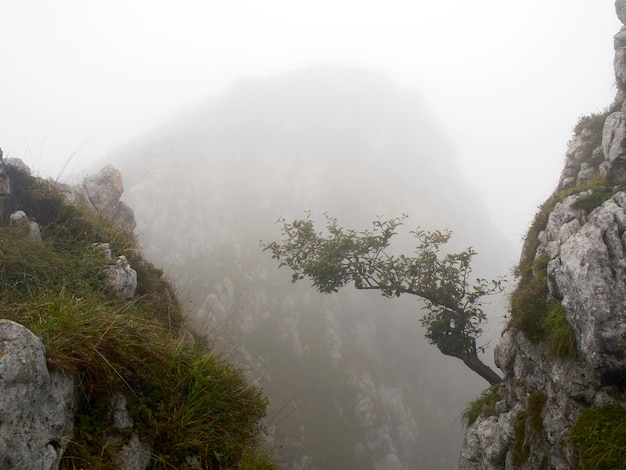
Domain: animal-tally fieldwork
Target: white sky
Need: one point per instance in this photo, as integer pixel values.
(507, 79)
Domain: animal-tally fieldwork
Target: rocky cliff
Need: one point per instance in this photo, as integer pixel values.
(562, 402)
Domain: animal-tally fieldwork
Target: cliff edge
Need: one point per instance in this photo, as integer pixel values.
(562, 403)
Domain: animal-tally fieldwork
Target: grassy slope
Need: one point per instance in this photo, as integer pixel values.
(183, 399)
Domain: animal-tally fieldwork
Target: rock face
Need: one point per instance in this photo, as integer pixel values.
(101, 194)
(583, 248)
(36, 406)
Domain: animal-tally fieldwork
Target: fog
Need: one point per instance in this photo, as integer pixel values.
(506, 80)
(224, 116)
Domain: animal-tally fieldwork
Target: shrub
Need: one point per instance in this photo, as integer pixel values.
(484, 405)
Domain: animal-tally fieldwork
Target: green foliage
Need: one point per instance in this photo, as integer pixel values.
(594, 199)
(183, 399)
(559, 334)
(484, 405)
(338, 256)
(599, 438)
(529, 302)
(594, 124)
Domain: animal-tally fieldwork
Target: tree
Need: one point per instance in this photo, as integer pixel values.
(338, 257)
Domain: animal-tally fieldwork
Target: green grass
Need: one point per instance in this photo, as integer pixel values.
(484, 405)
(599, 438)
(559, 334)
(594, 123)
(183, 399)
(520, 451)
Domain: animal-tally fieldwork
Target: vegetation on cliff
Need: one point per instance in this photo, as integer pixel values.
(184, 400)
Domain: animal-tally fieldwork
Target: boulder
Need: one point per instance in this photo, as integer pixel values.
(31, 228)
(121, 278)
(36, 406)
(101, 195)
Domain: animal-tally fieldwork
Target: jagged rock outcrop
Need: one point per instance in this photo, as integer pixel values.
(101, 194)
(580, 257)
(36, 406)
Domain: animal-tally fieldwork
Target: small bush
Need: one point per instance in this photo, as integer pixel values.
(599, 438)
(484, 405)
(593, 122)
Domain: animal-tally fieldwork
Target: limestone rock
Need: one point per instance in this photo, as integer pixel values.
(620, 9)
(31, 228)
(122, 278)
(36, 406)
(591, 275)
(101, 194)
(586, 272)
(5, 186)
(134, 454)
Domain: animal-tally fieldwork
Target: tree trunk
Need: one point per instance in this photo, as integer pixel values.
(471, 360)
(482, 369)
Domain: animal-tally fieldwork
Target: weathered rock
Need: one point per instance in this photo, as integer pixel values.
(104, 248)
(36, 406)
(30, 227)
(591, 275)
(122, 278)
(586, 272)
(5, 185)
(620, 9)
(614, 147)
(133, 454)
(101, 194)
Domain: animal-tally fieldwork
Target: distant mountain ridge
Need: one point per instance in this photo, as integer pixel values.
(352, 382)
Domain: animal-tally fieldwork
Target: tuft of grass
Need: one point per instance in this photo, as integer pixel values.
(596, 198)
(185, 401)
(536, 401)
(520, 451)
(484, 405)
(594, 123)
(529, 302)
(599, 438)
(559, 334)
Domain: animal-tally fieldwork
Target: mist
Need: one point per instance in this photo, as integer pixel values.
(225, 117)
(506, 80)
(351, 380)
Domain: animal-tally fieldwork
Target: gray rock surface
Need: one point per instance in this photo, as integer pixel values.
(586, 272)
(122, 278)
(31, 228)
(101, 194)
(36, 406)
(133, 454)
